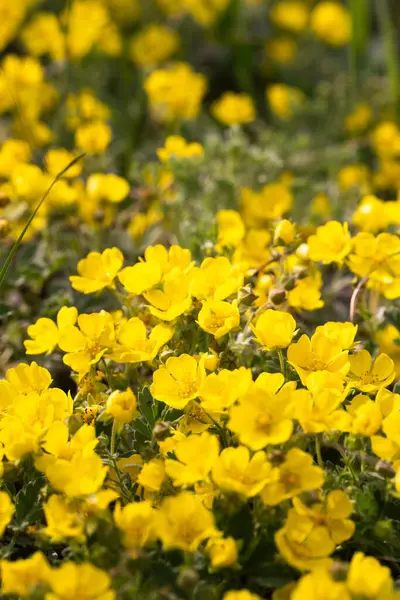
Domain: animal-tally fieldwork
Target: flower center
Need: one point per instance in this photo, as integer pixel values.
(187, 389)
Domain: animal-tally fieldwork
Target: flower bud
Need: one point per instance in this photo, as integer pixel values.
(277, 297)
(4, 199)
(383, 529)
(338, 571)
(5, 227)
(384, 467)
(122, 406)
(290, 285)
(161, 430)
(302, 252)
(187, 579)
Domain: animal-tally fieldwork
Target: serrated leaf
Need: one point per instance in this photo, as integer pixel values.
(142, 427)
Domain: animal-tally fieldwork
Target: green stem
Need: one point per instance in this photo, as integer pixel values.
(390, 45)
(318, 451)
(361, 23)
(113, 437)
(17, 243)
(281, 362)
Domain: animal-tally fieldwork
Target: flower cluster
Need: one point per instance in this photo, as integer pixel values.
(199, 393)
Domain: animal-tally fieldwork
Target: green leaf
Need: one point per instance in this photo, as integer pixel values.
(147, 407)
(139, 425)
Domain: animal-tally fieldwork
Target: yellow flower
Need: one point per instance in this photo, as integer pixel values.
(351, 176)
(387, 402)
(216, 278)
(12, 16)
(318, 412)
(98, 271)
(290, 14)
(281, 49)
(6, 511)
(274, 329)
(28, 378)
(58, 158)
(71, 581)
(177, 147)
(153, 45)
(141, 277)
(340, 333)
(99, 502)
(125, 11)
(331, 243)
(85, 346)
(253, 251)
(133, 345)
(284, 100)
(109, 187)
(366, 415)
(12, 153)
(43, 35)
(175, 93)
(368, 377)
(170, 443)
(63, 520)
(141, 222)
(240, 595)
(317, 585)
(171, 7)
(367, 578)
(183, 522)
(122, 406)
(321, 205)
(218, 317)
(178, 381)
(172, 299)
(235, 471)
(306, 546)
(306, 295)
(85, 23)
(152, 475)
(83, 475)
(94, 137)
(136, 522)
(274, 200)
(296, 474)
(377, 258)
(21, 577)
(220, 390)
(195, 455)
(231, 229)
(358, 120)
(72, 467)
(45, 333)
(263, 414)
(85, 107)
(284, 232)
(388, 448)
(371, 214)
(158, 265)
(331, 23)
(205, 11)
(331, 513)
(386, 339)
(223, 552)
(234, 109)
(320, 353)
